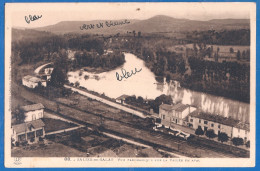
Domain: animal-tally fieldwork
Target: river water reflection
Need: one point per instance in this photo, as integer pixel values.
(144, 84)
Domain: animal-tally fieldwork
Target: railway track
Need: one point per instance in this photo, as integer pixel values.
(117, 127)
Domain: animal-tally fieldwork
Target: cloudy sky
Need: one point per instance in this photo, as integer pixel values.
(53, 13)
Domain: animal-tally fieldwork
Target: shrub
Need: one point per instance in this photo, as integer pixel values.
(199, 131)
(17, 144)
(248, 144)
(237, 141)
(24, 143)
(32, 139)
(86, 77)
(223, 137)
(76, 84)
(40, 139)
(210, 133)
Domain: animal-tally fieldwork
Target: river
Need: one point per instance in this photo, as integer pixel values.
(144, 84)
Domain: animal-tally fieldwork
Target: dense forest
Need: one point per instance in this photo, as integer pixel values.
(92, 59)
(90, 51)
(225, 37)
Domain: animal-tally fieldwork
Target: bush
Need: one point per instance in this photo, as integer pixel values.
(24, 143)
(32, 139)
(17, 144)
(237, 141)
(199, 131)
(248, 144)
(76, 84)
(223, 137)
(41, 139)
(210, 133)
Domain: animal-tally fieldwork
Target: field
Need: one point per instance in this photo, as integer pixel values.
(50, 149)
(56, 125)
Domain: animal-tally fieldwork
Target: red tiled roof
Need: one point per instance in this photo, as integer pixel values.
(25, 127)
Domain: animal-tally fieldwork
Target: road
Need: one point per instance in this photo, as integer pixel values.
(113, 104)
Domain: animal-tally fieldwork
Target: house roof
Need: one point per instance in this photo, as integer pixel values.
(214, 118)
(25, 127)
(181, 107)
(244, 126)
(122, 97)
(33, 79)
(178, 107)
(166, 107)
(28, 108)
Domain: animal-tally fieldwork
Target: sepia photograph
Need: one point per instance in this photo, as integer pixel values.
(130, 84)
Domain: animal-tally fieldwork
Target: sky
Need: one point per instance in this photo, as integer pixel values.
(53, 13)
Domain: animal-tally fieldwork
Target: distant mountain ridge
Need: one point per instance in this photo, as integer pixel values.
(159, 23)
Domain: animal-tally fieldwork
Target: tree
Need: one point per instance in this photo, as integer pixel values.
(231, 50)
(210, 133)
(248, 144)
(199, 131)
(139, 34)
(238, 55)
(237, 141)
(243, 55)
(19, 115)
(160, 100)
(134, 33)
(59, 73)
(223, 137)
(140, 100)
(58, 77)
(168, 77)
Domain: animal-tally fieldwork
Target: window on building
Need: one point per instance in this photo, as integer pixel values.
(21, 137)
(219, 126)
(238, 130)
(33, 117)
(39, 133)
(199, 121)
(191, 120)
(206, 122)
(212, 125)
(163, 116)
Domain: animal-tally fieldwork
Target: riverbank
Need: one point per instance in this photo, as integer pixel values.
(206, 76)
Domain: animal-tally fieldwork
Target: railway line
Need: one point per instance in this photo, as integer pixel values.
(119, 128)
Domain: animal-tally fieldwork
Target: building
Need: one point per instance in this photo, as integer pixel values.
(174, 114)
(28, 131)
(32, 81)
(121, 99)
(32, 112)
(233, 128)
(32, 127)
(242, 130)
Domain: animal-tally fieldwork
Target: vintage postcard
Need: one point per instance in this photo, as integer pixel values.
(130, 84)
